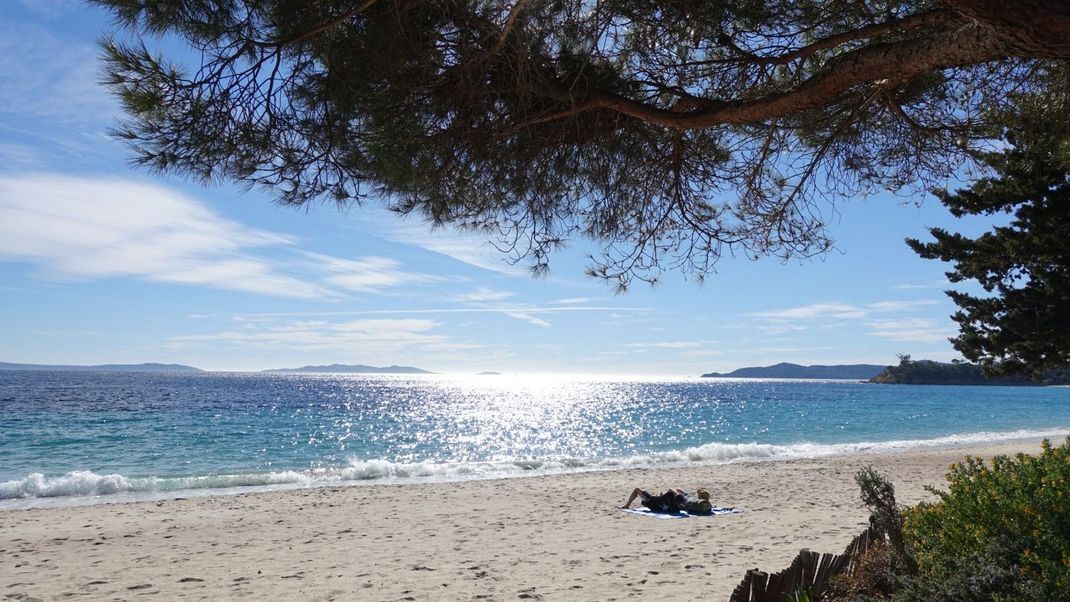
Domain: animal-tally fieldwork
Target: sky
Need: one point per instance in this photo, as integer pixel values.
(102, 262)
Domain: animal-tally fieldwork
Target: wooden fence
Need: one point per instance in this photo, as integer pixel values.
(809, 571)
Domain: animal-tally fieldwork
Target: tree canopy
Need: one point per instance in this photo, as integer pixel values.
(1022, 324)
(670, 132)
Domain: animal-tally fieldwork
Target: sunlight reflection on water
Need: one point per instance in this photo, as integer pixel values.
(134, 432)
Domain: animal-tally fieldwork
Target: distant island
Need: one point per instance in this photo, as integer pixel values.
(150, 367)
(489, 374)
(785, 370)
(353, 369)
(928, 372)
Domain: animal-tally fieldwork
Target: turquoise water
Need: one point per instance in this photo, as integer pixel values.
(68, 435)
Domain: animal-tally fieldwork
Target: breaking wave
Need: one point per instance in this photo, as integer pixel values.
(88, 484)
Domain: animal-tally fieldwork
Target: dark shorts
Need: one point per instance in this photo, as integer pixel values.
(668, 502)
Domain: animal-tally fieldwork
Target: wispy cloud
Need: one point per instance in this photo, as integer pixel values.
(779, 328)
(913, 330)
(47, 75)
(527, 317)
(812, 311)
(468, 248)
(868, 316)
(529, 309)
(480, 295)
(91, 228)
(371, 337)
(840, 311)
(883, 306)
(573, 301)
(20, 155)
(366, 274)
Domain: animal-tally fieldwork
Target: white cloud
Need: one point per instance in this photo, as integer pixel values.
(573, 301)
(779, 328)
(92, 228)
(369, 341)
(527, 317)
(913, 330)
(19, 155)
(530, 309)
(905, 329)
(468, 248)
(366, 274)
(882, 306)
(839, 311)
(517, 311)
(481, 295)
(88, 228)
(813, 311)
(370, 337)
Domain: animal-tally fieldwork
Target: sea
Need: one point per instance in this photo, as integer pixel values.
(69, 438)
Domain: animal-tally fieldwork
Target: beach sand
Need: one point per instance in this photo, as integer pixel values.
(553, 537)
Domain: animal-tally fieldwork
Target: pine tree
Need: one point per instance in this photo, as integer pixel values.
(1023, 324)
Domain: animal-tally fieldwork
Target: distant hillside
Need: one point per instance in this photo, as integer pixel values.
(928, 372)
(785, 370)
(354, 369)
(104, 367)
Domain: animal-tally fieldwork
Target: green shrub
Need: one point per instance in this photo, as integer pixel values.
(1001, 530)
(886, 516)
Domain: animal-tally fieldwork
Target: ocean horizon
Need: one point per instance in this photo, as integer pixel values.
(76, 438)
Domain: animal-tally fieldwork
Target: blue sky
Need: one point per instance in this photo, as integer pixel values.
(101, 262)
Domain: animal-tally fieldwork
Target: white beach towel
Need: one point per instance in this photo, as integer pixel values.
(715, 511)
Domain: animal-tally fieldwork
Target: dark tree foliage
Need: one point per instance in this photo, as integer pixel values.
(1023, 325)
(928, 372)
(670, 132)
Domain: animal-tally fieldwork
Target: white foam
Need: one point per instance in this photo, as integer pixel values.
(79, 482)
(83, 485)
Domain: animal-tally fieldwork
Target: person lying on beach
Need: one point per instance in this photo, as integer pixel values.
(672, 501)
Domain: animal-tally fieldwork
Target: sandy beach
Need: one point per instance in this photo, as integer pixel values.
(552, 538)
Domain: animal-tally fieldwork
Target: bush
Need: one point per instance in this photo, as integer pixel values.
(871, 577)
(1001, 530)
(886, 516)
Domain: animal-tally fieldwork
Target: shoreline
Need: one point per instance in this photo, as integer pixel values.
(414, 474)
(546, 536)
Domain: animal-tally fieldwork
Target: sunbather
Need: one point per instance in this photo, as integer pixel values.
(672, 501)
